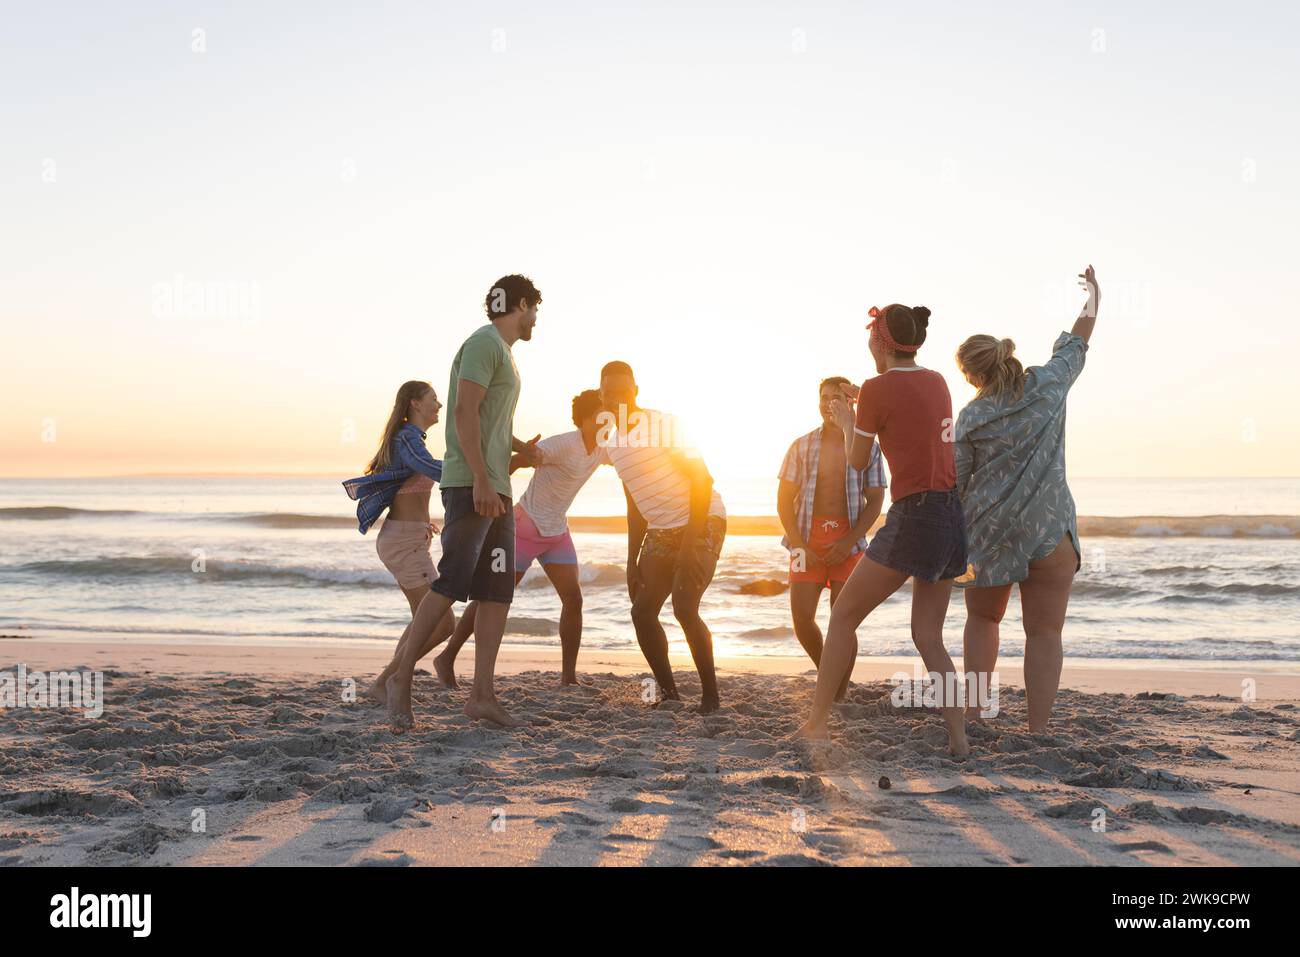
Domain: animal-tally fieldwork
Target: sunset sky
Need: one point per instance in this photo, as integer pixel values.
(716, 197)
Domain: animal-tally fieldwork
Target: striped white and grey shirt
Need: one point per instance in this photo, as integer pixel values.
(647, 451)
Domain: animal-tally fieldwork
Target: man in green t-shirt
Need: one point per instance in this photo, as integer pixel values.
(478, 532)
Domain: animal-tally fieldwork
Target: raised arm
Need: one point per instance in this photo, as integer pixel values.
(873, 493)
(857, 443)
(1088, 316)
(859, 449)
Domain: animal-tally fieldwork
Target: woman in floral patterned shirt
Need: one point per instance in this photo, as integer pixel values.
(1020, 519)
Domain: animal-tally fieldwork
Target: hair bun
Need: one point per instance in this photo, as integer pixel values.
(1006, 349)
(922, 315)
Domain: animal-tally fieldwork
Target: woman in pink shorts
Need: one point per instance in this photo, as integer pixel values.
(400, 479)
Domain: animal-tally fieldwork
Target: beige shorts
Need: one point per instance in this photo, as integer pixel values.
(403, 547)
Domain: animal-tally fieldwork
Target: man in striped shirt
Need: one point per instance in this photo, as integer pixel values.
(676, 523)
(826, 508)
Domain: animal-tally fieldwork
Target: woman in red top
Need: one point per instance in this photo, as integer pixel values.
(910, 410)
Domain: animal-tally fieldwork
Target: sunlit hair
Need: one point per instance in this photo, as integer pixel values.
(412, 391)
(585, 405)
(835, 380)
(990, 365)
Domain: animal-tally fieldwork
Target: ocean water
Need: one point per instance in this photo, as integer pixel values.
(258, 559)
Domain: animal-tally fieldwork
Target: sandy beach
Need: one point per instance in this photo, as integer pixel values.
(229, 754)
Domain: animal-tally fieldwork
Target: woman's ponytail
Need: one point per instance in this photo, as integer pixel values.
(991, 366)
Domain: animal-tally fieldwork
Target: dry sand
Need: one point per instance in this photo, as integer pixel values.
(260, 745)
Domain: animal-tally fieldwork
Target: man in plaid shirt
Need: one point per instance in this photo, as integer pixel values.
(826, 509)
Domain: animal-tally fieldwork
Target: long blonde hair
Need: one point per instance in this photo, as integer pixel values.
(990, 365)
(410, 392)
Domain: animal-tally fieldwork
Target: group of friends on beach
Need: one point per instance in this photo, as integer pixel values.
(979, 501)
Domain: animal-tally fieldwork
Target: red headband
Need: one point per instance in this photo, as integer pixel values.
(880, 331)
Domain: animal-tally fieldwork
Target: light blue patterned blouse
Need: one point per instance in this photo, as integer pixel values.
(1011, 470)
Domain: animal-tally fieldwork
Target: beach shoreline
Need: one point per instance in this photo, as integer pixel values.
(261, 745)
(1278, 681)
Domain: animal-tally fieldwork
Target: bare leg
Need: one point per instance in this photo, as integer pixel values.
(440, 634)
(446, 627)
(869, 585)
(433, 607)
(377, 692)
(929, 607)
(804, 599)
(686, 609)
(984, 610)
(836, 588)
(489, 626)
(444, 665)
(565, 580)
(657, 584)
(1044, 597)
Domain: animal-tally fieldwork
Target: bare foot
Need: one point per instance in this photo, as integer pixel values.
(378, 693)
(446, 672)
(811, 731)
(399, 704)
(957, 744)
(709, 705)
(572, 681)
(490, 711)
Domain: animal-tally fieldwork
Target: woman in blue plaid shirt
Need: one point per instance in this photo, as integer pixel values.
(400, 480)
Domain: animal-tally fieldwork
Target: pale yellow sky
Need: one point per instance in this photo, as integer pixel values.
(717, 201)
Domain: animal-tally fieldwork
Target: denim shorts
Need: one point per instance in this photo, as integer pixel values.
(924, 536)
(478, 553)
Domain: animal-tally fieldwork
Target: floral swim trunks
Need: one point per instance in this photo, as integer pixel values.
(667, 542)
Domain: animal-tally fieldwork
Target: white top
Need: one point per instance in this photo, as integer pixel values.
(647, 452)
(566, 466)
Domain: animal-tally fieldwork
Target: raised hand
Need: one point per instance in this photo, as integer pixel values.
(1088, 282)
(842, 413)
(1083, 326)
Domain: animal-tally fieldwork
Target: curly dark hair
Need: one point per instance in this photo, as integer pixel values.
(585, 404)
(907, 324)
(506, 294)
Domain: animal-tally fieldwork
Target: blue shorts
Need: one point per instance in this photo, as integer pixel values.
(478, 553)
(924, 536)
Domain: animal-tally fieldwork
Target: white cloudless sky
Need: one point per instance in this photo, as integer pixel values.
(715, 193)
